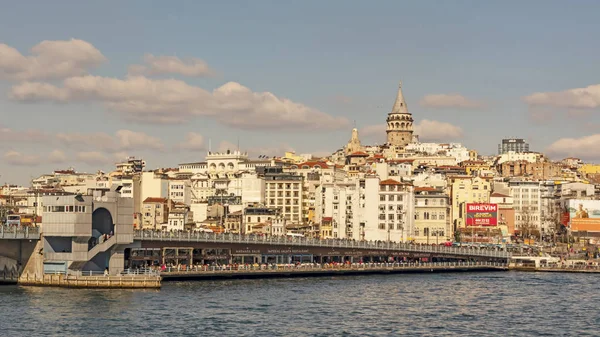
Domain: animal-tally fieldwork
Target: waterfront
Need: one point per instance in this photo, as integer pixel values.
(472, 304)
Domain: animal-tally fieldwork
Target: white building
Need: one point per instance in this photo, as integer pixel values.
(180, 191)
(368, 209)
(455, 150)
(527, 204)
(531, 157)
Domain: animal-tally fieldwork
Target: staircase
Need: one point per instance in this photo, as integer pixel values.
(101, 247)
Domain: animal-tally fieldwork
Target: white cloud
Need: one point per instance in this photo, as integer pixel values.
(253, 152)
(20, 159)
(428, 131)
(93, 158)
(172, 101)
(132, 140)
(374, 132)
(578, 98)
(225, 145)
(269, 151)
(57, 157)
(449, 101)
(193, 142)
(49, 60)
(587, 147)
(122, 140)
(8, 135)
(431, 131)
(159, 65)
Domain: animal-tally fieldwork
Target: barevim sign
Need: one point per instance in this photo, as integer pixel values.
(482, 214)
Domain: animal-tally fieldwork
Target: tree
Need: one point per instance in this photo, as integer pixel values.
(528, 227)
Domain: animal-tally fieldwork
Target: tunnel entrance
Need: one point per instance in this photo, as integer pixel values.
(102, 221)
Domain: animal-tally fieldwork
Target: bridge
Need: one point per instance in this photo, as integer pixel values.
(315, 250)
(19, 233)
(22, 252)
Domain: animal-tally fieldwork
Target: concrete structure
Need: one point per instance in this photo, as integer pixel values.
(399, 123)
(86, 233)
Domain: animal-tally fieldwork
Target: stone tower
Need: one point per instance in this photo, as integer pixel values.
(399, 123)
(354, 143)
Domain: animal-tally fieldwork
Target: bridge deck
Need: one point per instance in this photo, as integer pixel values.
(200, 273)
(308, 242)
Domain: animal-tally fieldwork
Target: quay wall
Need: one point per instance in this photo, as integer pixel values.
(70, 281)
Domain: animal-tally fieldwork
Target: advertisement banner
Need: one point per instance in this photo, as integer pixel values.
(482, 214)
(584, 215)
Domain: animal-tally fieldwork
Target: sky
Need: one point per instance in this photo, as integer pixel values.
(85, 84)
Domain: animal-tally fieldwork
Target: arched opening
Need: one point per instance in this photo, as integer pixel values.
(397, 125)
(102, 221)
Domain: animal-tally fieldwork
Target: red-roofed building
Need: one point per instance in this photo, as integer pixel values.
(155, 212)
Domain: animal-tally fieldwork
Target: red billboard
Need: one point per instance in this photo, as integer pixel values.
(482, 214)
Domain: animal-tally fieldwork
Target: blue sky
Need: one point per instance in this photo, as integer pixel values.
(336, 62)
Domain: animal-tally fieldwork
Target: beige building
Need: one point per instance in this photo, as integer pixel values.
(284, 191)
(432, 216)
(464, 190)
(155, 213)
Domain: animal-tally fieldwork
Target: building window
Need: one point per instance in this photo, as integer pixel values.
(426, 202)
(391, 197)
(382, 198)
(381, 226)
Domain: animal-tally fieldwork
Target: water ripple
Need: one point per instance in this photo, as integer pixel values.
(492, 304)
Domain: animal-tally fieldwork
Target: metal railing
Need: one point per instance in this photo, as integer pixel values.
(126, 272)
(310, 242)
(330, 267)
(19, 232)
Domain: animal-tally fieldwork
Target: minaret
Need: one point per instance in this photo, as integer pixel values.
(399, 123)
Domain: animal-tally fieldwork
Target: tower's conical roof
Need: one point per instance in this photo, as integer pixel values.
(400, 104)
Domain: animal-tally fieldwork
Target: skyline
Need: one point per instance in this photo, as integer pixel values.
(158, 83)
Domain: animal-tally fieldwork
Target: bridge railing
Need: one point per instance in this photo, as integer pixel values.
(324, 267)
(301, 241)
(19, 232)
